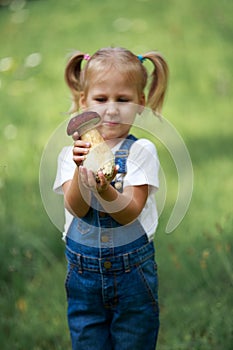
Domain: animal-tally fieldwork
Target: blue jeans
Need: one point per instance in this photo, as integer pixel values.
(112, 299)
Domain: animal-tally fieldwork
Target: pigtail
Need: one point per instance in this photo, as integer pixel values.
(72, 78)
(159, 81)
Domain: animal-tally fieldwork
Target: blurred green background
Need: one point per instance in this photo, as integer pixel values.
(195, 261)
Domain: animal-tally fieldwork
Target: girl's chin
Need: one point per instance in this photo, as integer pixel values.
(109, 133)
(109, 136)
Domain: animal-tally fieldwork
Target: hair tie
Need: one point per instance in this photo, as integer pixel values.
(141, 58)
(86, 57)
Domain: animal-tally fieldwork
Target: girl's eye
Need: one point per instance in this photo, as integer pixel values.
(100, 99)
(123, 99)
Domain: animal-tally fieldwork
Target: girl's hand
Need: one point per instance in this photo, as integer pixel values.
(80, 150)
(88, 179)
(103, 184)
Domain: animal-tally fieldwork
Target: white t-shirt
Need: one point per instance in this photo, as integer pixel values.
(142, 169)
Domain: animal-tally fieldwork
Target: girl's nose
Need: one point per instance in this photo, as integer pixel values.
(112, 109)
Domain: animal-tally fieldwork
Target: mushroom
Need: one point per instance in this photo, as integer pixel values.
(100, 157)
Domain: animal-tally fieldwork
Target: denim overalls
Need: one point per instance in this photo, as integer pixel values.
(111, 282)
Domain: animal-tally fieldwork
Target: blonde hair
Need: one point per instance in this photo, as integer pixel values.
(126, 63)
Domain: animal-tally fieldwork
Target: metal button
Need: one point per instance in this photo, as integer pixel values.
(118, 185)
(107, 264)
(104, 239)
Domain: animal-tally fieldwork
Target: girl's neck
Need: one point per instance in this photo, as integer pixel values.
(113, 142)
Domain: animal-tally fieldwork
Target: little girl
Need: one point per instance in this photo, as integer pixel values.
(111, 282)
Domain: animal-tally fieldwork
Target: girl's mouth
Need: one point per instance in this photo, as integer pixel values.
(110, 123)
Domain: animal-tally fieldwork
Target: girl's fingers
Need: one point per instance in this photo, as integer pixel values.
(91, 180)
(82, 144)
(87, 178)
(102, 178)
(115, 172)
(80, 150)
(78, 160)
(75, 136)
(103, 184)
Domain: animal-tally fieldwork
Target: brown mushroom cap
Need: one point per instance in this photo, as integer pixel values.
(83, 122)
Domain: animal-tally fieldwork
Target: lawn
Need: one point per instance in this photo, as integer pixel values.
(195, 259)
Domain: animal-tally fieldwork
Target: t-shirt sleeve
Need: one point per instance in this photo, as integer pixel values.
(142, 165)
(65, 169)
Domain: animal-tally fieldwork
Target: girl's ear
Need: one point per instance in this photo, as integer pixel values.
(82, 100)
(142, 103)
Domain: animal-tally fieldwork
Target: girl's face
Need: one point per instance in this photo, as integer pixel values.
(117, 102)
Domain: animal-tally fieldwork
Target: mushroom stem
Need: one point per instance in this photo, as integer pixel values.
(100, 156)
(93, 136)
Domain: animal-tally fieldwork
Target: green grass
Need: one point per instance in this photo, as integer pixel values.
(195, 261)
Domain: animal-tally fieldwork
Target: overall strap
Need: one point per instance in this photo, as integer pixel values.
(120, 159)
(122, 154)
